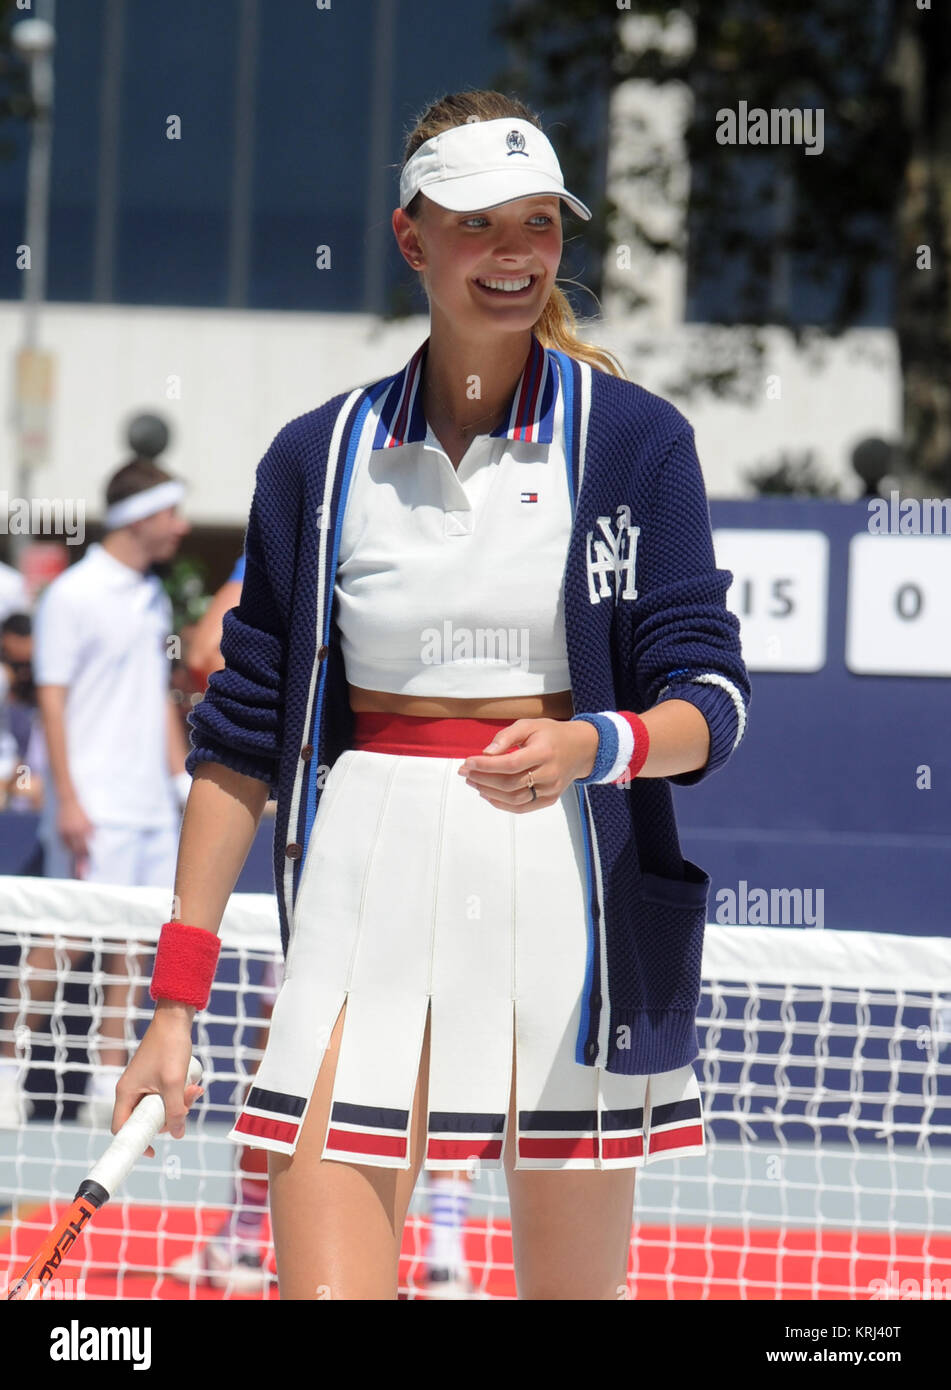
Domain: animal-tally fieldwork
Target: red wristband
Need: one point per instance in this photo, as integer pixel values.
(642, 740)
(185, 964)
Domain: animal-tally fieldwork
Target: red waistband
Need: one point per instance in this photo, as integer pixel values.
(433, 736)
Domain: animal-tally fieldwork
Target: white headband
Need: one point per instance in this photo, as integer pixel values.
(484, 163)
(145, 503)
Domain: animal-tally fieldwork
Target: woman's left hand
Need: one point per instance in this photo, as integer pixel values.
(552, 753)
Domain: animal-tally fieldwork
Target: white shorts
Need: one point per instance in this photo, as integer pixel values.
(416, 893)
(134, 856)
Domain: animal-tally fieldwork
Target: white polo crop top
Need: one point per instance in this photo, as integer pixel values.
(451, 582)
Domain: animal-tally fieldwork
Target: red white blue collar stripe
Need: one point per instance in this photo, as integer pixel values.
(531, 413)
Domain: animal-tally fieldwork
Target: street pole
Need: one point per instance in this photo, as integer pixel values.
(34, 39)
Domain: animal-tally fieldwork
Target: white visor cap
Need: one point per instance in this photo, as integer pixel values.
(484, 163)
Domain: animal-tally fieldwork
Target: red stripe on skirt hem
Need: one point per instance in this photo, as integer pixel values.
(267, 1129)
(349, 1141)
(676, 1138)
(459, 1148)
(558, 1148)
(632, 1147)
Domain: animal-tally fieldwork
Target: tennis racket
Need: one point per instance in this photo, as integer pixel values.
(94, 1191)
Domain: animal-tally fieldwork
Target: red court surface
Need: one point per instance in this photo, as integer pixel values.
(126, 1254)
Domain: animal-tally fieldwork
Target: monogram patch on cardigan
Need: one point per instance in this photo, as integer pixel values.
(611, 557)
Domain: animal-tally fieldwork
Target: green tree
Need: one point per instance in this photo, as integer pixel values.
(877, 200)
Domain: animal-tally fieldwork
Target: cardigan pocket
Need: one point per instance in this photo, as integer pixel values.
(671, 948)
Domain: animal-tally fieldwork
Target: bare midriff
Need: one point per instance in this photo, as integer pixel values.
(552, 704)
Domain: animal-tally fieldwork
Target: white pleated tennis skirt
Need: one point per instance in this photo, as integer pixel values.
(416, 895)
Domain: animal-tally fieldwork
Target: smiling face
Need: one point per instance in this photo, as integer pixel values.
(493, 266)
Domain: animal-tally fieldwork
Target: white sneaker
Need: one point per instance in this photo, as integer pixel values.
(15, 1107)
(214, 1264)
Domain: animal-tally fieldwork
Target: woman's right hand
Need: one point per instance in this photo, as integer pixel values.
(159, 1067)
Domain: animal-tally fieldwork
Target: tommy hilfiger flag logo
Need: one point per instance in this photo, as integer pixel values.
(529, 496)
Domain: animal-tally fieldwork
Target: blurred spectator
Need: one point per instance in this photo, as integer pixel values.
(22, 746)
(203, 651)
(115, 742)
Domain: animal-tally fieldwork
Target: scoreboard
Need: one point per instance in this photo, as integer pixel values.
(842, 783)
(898, 600)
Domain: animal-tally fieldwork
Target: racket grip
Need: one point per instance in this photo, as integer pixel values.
(130, 1142)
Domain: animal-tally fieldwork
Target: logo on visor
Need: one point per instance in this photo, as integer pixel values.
(516, 142)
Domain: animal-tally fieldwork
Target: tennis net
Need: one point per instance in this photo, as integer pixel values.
(825, 1068)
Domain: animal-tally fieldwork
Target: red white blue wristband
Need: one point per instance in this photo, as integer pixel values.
(623, 745)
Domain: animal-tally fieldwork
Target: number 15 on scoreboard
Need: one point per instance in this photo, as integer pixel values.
(779, 593)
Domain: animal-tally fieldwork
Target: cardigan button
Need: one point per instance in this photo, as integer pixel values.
(294, 851)
(322, 652)
(591, 1051)
(307, 752)
(596, 1001)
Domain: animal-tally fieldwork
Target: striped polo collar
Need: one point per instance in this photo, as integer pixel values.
(531, 412)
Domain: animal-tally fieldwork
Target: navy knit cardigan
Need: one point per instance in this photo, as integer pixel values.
(279, 711)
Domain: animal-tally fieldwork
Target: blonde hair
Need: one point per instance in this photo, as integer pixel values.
(557, 326)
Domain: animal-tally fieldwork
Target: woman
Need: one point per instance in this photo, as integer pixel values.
(455, 576)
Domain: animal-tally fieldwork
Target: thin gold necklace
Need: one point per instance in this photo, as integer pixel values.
(468, 429)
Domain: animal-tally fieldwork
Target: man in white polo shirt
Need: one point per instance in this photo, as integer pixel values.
(115, 741)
